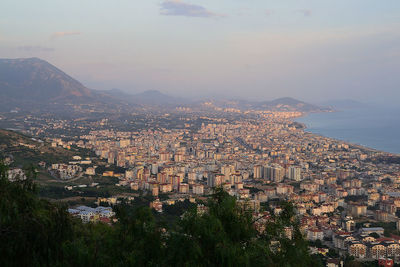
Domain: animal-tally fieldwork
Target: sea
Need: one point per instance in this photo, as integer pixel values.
(373, 127)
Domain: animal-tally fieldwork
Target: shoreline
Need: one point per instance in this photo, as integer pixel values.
(350, 144)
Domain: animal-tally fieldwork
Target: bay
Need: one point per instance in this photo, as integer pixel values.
(373, 127)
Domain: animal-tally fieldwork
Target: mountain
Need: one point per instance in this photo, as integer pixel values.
(33, 79)
(280, 104)
(149, 97)
(116, 93)
(32, 84)
(290, 104)
(154, 97)
(36, 86)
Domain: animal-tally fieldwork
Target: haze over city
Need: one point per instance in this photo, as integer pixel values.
(312, 50)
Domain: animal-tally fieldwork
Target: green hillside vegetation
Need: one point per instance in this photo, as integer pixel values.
(35, 232)
(26, 151)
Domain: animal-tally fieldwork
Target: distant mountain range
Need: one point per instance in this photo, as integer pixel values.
(280, 104)
(154, 97)
(30, 83)
(150, 97)
(286, 104)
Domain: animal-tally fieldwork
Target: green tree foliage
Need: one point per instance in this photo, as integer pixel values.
(31, 229)
(35, 232)
(222, 236)
(225, 236)
(290, 252)
(374, 235)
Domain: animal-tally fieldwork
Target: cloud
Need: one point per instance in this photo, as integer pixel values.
(305, 12)
(35, 48)
(180, 8)
(62, 34)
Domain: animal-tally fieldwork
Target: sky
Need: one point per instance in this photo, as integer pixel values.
(313, 50)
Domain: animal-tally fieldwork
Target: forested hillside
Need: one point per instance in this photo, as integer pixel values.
(35, 232)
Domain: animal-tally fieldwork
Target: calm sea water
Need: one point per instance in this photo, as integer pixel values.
(377, 128)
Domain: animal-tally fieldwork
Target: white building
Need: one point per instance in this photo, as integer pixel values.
(198, 189)
(314, 234)
(294, 173)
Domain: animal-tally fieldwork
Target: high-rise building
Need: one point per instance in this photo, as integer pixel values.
(121, 162)
(258, 172)
(227, 170)
(192, 177)
(111, 158)
(294, 173)
(215, 179)
(154, 168)
(176, 181)
(235, 178)
(183, 188)
(274, 173)
(198, 189)
(165, 156)
(162, 177)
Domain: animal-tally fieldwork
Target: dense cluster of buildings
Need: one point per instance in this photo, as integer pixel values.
(259, 161)
(336, 187)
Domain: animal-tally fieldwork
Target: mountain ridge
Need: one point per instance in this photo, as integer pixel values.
(148, 97)
(34, 83)
(36, 79)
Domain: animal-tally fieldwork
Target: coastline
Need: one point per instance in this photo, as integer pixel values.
(365, 148)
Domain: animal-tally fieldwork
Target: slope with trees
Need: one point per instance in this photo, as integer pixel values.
(35, 232)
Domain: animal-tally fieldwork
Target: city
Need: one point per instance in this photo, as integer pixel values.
(200, 133)
(346, 196)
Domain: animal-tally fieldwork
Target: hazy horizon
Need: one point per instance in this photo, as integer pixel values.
(313, 50)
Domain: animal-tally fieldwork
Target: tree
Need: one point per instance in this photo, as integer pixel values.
(225, 235)
(374, 235)
(35, 232)
(31, 229)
